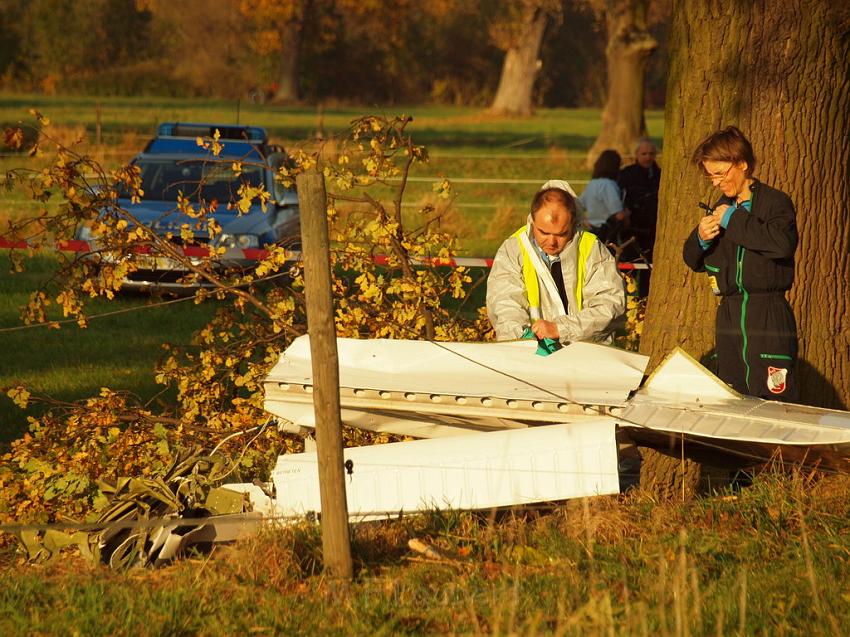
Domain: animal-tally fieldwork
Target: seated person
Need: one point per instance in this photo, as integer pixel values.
(552, 279)
(602, 199)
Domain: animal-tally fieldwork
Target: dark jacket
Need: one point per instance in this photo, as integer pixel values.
(640, 192)
(755, 253)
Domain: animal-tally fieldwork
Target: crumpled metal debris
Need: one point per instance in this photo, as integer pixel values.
(150, 521)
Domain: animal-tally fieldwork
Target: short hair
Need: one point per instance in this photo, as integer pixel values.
(607, 165)
(727, 144)
(642, 141)
(553, 195)
(556, 195)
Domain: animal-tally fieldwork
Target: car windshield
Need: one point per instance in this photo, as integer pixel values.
(199, 181)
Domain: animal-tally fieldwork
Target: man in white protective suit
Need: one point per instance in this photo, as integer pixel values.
(553, 281)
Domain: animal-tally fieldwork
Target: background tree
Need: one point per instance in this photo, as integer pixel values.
(276, 38)
(456, 30)
(11, 33)
(377, 58)
(573, 55)
(202, 46)
(779, 71)
(68, 44)
(629, 46)
(443, 51)
(519, 32)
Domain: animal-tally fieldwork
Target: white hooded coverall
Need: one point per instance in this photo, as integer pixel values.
(591, 318)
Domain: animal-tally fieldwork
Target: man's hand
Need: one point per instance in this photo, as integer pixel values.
(545, 329)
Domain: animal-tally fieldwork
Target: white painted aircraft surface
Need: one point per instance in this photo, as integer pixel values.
(499, 425)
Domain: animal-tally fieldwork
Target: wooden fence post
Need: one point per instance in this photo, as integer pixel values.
(336, 545)
(98, 129)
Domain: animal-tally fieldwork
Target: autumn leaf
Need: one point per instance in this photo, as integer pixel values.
(20, 396)
(186, 233)
(44, 121)
(13, 138)
(443, 188)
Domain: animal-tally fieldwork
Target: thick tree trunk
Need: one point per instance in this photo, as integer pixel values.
(779, 71)
(520, 68)
(287, 86)
(667, 477)
(629, 47)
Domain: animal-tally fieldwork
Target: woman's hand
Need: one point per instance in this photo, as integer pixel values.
(709, 225)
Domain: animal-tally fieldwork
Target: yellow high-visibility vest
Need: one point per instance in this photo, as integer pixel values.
(529, 274)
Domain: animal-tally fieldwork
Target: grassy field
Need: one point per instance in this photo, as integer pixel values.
(440, 128)
(773, 559)
(118, 350)
(769, 559)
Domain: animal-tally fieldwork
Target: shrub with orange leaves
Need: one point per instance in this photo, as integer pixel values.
(55, 468)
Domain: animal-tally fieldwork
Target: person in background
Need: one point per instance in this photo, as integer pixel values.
(602, 200)
(639, 183)
(746, 246)
(553, 280)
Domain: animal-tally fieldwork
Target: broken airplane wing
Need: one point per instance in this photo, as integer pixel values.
(429, 389)
(682, 401)
(521, 428)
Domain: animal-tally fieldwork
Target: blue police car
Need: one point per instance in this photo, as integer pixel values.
(173, 165)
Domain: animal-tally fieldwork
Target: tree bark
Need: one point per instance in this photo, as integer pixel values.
(629, 46)
(520, 68)
(667, 477)
(779, 71)
(287, 88)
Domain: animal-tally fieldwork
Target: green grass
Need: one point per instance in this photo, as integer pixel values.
(70, 363)
(769, 560)
(442, 128)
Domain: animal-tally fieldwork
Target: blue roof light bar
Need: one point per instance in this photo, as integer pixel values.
(254, 134)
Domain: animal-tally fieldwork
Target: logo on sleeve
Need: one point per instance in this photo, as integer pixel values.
(776, 379)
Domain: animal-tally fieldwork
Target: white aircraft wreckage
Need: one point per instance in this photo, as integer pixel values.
(496, 425)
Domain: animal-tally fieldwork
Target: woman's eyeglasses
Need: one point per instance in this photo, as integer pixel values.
(718, 177)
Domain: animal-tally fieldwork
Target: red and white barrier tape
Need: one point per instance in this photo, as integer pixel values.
(257, 254)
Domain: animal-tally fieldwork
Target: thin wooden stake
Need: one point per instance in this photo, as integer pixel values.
(98, 129)
(336, 543)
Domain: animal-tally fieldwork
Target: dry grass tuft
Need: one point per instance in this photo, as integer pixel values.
(279, 557)
(505, 221)
(444, 217)
(603, 518)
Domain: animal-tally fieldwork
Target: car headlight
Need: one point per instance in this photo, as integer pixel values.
(241, 241)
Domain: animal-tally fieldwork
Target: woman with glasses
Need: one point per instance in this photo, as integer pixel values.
(746, 246)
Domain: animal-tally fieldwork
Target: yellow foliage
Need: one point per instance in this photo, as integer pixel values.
(218, 377)
(20, 396)
(635, 317)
